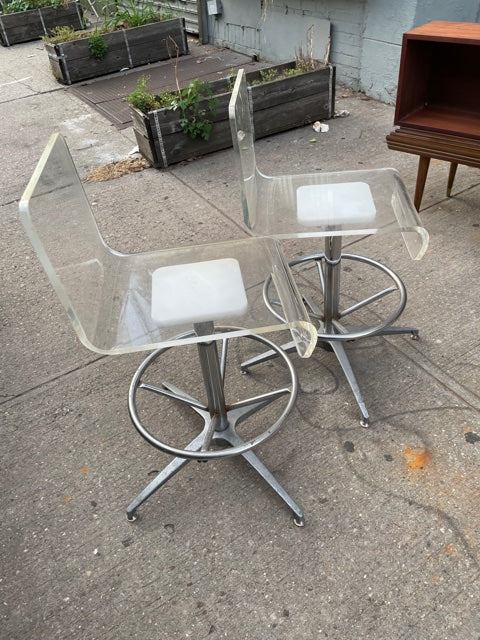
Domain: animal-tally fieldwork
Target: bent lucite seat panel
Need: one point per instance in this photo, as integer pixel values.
(169, 301)
(272, 206)
(329, 205)
(108, 295)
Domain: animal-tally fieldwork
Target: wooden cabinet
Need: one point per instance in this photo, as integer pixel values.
(438, 98)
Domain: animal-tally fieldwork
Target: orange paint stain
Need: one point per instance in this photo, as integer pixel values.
(83, 469)
(417, 458)
(67, 498)
(449, 548)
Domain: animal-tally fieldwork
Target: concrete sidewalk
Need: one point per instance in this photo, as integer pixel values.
(391, 546)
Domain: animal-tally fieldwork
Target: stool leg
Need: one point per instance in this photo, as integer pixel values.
(170, 470)
(342, 358)
(332, 273)
(268, 355)
(230, 436)
(396, 330)
(270, 479)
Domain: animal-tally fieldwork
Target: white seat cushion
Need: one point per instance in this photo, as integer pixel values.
(198, 292)
(335, 204)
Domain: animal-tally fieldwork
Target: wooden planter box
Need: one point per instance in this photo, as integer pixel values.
(128, 48)
(34, 23)
(278, 105)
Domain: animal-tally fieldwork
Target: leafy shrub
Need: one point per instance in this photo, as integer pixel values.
(61, 34)
(124, 17)
(97, 46)
(144, 100)
(194, 103)
(14, 6)
(133, 14)
(193, 118)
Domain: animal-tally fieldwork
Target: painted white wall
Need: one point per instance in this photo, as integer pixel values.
(385, 23)
(366, 35)
(274, 32)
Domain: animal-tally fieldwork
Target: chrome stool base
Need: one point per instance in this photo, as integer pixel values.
(332, 333)
(220, 419)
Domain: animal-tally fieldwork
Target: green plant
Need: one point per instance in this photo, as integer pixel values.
(195, 103)
(167, 99)
(144, 100)
(132, 14)
(61, 34)
(293, 71)
(14, 6)
(97, 46)
(141, 98)
(265, 75)
(231, 77)
(306, 64)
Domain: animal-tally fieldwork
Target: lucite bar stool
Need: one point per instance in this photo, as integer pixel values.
(161, 301)
(329, 206)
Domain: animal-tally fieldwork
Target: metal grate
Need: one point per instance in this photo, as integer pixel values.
(107, 94)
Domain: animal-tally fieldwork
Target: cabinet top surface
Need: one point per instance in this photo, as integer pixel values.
(441, 30)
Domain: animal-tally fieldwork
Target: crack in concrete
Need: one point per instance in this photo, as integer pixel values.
(25, 392)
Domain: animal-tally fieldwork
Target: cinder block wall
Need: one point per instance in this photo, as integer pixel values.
(384, 24)
(366, 35)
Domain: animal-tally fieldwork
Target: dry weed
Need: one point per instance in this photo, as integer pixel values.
(117, 169)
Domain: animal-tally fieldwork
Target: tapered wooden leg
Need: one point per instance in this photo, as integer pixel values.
(423, 164)
(451, 177)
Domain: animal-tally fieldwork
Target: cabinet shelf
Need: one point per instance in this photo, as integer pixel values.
(439, 79)
(444, 119)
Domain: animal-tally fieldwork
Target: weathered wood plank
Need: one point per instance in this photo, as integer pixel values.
(284, 90)
(306, 93)
(160, 34)
(290, 115)
(78, 53)
(34, 23)
(55, 66)
(176, 147)
(279, 105)
(72, 61)
(168, 118)
(16, 28)
(181, 147)
(140, 121)
(147, 148)
(77, 63)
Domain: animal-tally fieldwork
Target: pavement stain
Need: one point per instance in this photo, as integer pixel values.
(471, 437)
(128, 541)
(449, 548)
(417, 458)
(349, 446)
